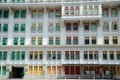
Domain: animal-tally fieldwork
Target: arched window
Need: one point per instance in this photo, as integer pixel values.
(85, 10)
(66, 10)
(90, 10)
(77, 10)
(72, 10)
(96, 10)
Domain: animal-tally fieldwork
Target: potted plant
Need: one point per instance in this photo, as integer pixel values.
(10, 74)
(22, 74)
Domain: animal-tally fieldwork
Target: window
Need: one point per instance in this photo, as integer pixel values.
(75, 26)
(111, 55)
(58, 55)
(40, 55)
(22, 41)
(105, 55)
(50, 40)
(114, 12)
(96, 54)
(105, 12)
(34, 14)
(68, 40)
(68, 27)
(77, 55)
(115, 40)
(106, 40)
(90, 54)
(67, 55)
(0, 55)
(49, 55)
(39, 40)
(22, 55)
(86, 40)
(4, 55)
(93, 27)
(51, 14)
(114, 26)
(51, 27)
(31, 55)
(16, 27)
(33, 40)
(96, 10)
(23, 13)
(1, 14)
(12, 55)
(57, 40)
(0, 27)
(77, 10)
(93, 40)
(15, 41)
(86, 26)
(33, 27)
(90, 11)
(40, 27)
(58, 14)
(85, 54)
(18, 55)
(57, 27)
(4, 41)
(105, 26)
(66, 10)
(22, 28)
(85, 10)
(6, 14)
(54, 55)
(35, 55)
(5, 27)
(75, 40)
(72, 55)
(16, 14)
(4, 70)
(72, 10)
(40, 14)
(118, 55)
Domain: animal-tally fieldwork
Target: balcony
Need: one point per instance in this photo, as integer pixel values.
(82, 17)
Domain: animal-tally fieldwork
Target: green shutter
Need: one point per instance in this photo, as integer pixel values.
(15, 41)
(23, 55)
(13, 55)
(0, 27)
(57, 28)
(4, 70)
(16, 27)
(18, 55)
(4, 55)
(6, 14)
(57, 42)
(16, 14)
(40, 28)
(22, 41)
(0, 55)
(5, 27)
(4, 41)
(23, 13)
(0, 14)
(22, 28)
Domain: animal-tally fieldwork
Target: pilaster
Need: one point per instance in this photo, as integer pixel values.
(28, 26)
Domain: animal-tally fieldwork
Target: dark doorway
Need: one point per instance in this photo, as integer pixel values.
(17, 72)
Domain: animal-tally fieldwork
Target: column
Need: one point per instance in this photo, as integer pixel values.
(81, 33)
(28, 25)
(10, 27)
(100, 57)
(81, 10)
(63, 36)
(100, 9)
(99, 33)
(45, 26)
(63, 8)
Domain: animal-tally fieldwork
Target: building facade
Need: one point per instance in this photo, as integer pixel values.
(60, 38)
